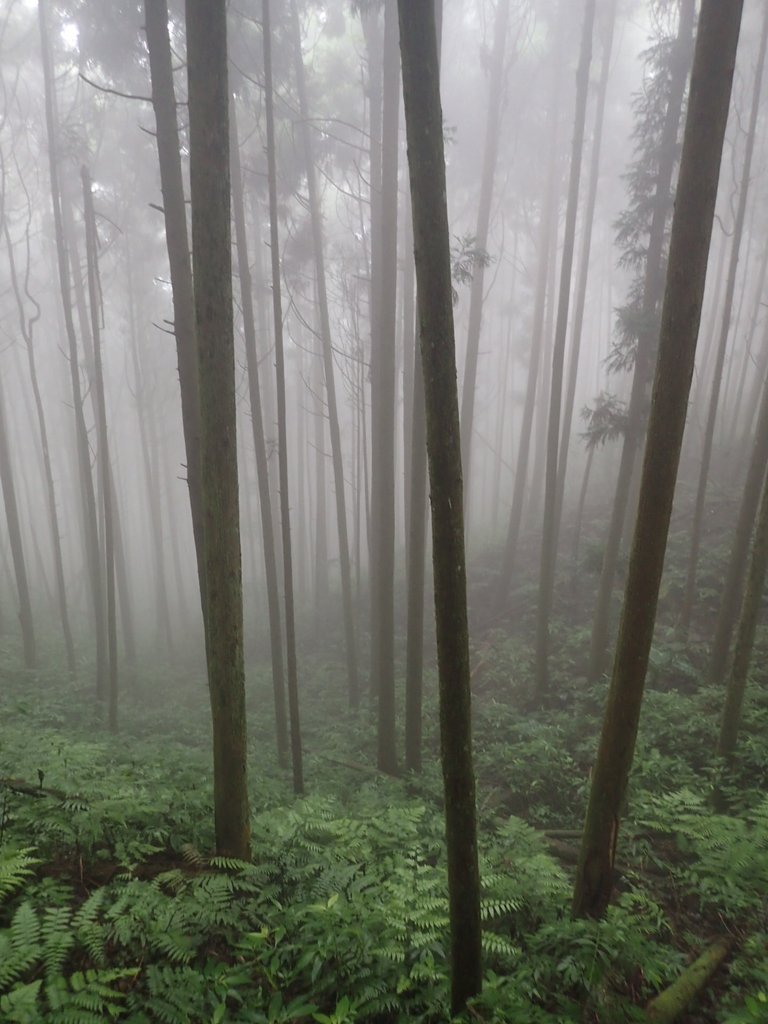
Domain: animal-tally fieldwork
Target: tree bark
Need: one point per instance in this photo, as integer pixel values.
(214, 331)
(652, 295)
(174, 213)
(710, 94)
(424, 128)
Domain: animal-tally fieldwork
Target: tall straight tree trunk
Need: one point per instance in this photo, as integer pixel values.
(318, 244)
(90, 518)
(424, 128)
(584, 261)
(26, 325)
(416, 506)
(260, 449)
(383, 410)
(174, 213)
(646, 345)
(737, 562)
(13, 523)
(477, 291)
(84, 318)
(214, 330)
(145, 417)
(689, 597)
(551, 526)
(285, 508)
(545, 255)
(91, 243)
(745, 635)
(710, 94)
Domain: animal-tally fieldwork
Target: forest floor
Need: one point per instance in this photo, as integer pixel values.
(112, 908)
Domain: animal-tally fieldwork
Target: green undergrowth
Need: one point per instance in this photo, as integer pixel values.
(112, 907)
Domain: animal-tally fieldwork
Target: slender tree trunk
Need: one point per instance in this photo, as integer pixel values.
(90, 518)
(383, 410)
(652, 294)
(214, 331)
(709, 101)
(285, 513)
(260, 449)
(551, 526)
(580, 508)
(318, 243)
(174, 212)
(745, 635)
(584, 260)
(94, 298)
(145, 415)
(477, 291)
(417, 537)
(548, 218)
(689, 597)
(26, 325)
(13, 523)
(421, 88)
(734, 575)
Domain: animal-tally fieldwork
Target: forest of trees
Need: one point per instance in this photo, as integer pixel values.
(384, 463)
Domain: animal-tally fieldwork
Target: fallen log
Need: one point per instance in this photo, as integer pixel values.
(675, 1000)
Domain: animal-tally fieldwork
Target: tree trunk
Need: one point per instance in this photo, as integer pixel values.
(94, 299)
(652, 294)
(285, 508)
(260, 449)
(734, 575)
(318, 243)
(584, 260)
(477, 290)
(745, 634)
(17, 546)
(174, 213)
(545, 254)
(384, 327)
(214, 331)
(90, 518)
(710, 94)
(26, 325)
(551, 526)
(421, 88)
(145, 417)
(689, 597)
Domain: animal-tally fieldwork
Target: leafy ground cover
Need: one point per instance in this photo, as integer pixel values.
(111, 907)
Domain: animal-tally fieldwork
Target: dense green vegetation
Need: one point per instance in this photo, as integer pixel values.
(112, 908)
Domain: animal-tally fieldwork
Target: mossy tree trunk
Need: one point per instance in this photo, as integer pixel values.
(711, 85)
(424, 130)
(214, 330)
